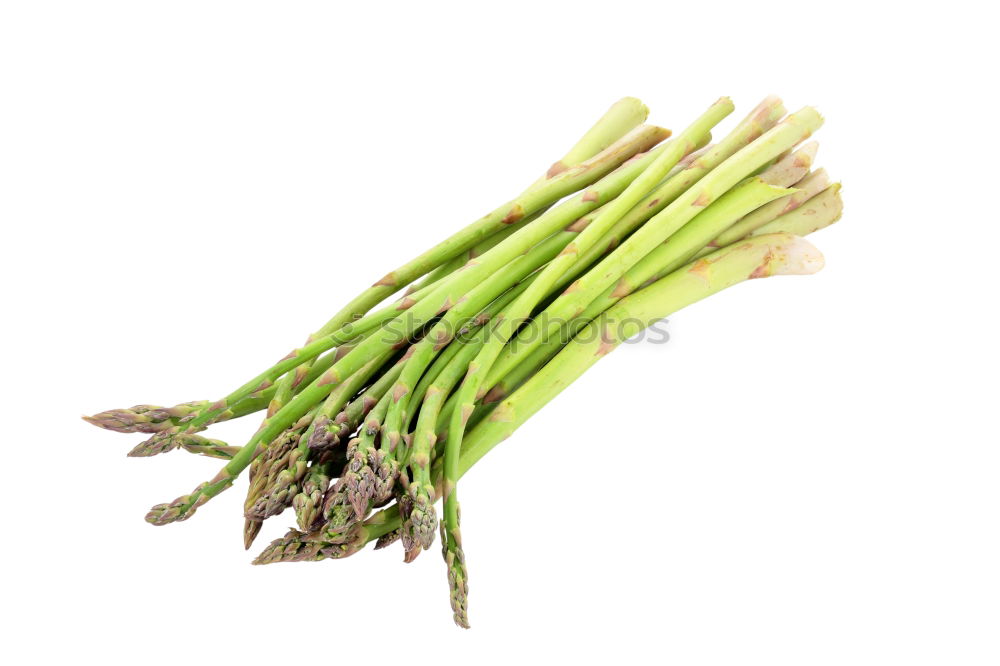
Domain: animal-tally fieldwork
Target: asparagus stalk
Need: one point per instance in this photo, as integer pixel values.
(145, 418)
(623, 116)
(368, 472)
(346, 500)
(792, 167)
(414, 533)
(817, 213)
(212, 448)
(806, 189)
(153, 418)
(308, 502)
(449, 267)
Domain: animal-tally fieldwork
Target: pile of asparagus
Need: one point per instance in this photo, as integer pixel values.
(384, 408)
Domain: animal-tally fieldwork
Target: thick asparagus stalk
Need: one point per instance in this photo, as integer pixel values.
(806, 189)
(817, 213)
(624, 115)
(792, 167)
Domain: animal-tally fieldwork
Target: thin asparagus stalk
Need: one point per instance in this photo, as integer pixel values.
(456, 262)
(367, 473)
(440, 362)
(196, 444)
(151, 419)
(211, 448)
(425, 437)
(309, 501)
(145, 418)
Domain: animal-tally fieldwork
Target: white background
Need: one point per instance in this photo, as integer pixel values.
(806, 474)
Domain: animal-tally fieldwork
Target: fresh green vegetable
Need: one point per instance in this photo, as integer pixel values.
(387, 405)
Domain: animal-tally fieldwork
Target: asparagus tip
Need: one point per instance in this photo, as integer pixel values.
(251, 528)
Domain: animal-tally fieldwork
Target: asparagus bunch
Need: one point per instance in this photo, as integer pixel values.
(383, 409)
